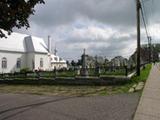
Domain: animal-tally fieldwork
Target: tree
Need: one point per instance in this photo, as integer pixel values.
(15, 13)
(73, 63)
(67, 62)
(79, 62)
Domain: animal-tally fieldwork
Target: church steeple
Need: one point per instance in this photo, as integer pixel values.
(49, 44)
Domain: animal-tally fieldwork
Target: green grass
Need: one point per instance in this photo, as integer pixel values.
(144, 75)
(58, 74)
(114, 73)
(66, 74)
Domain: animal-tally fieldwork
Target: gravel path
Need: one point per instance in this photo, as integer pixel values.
(33, 107)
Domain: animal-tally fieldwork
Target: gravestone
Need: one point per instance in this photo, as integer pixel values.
(78, 71)
(97, 67)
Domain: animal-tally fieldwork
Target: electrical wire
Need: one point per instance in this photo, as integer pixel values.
(143, 18)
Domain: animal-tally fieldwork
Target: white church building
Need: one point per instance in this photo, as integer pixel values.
(19, 51)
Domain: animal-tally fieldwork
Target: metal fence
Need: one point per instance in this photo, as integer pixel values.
(94, 72)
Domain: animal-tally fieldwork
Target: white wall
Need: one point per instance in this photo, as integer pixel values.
(57, 63)
(11, 61)
(27, 60)
(46, 62)
(30, 58)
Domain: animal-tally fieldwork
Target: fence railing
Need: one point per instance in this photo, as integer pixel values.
(95, 72)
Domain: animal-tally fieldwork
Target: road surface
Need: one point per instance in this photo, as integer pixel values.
(34, 107)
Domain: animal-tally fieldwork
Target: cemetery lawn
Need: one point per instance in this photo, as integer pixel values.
(60, 90)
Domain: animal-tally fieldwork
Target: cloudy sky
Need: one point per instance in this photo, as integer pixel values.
(102, 27)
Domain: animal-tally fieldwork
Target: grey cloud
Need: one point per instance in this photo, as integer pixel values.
(106, 47)
(112, 12)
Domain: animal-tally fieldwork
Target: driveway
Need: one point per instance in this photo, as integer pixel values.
(34, 107)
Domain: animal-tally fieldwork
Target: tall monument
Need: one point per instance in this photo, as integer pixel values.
(84, 71)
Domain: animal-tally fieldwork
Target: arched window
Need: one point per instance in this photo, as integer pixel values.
(19, 63)
(4, 62)
(41, 62)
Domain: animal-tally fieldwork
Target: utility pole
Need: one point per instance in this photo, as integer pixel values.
(138, 5)
(149, 47)
(151, 55)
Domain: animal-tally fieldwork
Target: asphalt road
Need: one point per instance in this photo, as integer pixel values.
(34, 107)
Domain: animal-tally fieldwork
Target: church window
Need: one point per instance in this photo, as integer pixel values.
(55, 58)
(41, 62)
(4, 62)
(18, 63)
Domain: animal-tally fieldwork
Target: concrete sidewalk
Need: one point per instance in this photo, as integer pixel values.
(149, 105)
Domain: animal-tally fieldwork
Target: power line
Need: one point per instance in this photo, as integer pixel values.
(149, 5)
(144, 9)
(143, 18)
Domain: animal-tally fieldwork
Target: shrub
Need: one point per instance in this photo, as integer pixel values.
(24, 70)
